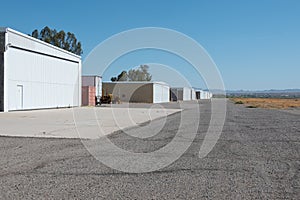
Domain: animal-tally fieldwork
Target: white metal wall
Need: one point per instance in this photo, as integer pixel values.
(202, 94)
(205, 94)
(186, 94)
(193, 94)
(161, 93)
(46, 80)
(98, 82)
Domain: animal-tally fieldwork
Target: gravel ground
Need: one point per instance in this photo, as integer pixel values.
(257, 157)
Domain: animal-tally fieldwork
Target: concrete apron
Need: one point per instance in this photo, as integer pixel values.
(84, 122)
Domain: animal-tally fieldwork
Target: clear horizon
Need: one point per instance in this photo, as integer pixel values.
(255, 44)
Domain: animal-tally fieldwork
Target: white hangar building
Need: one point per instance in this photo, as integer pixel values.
(201, 94)
(35, 74)
(182, 94)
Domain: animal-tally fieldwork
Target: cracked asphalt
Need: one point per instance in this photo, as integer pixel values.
(256, 157)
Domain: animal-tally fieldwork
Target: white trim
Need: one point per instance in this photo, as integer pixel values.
(3, 29)
(91, 76)
(5, 81)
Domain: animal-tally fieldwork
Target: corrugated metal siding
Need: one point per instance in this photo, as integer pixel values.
(47, 80)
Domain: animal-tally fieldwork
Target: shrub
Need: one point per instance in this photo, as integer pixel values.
(239, 102)
(251, 107)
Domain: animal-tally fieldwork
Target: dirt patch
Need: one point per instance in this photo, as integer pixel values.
(268, 103)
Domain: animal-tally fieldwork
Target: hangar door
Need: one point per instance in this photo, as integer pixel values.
(161, 93)
(36, 81)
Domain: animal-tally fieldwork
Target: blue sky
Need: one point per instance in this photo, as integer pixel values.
(255, 44)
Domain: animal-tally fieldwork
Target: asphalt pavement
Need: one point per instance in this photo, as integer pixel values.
(256, 157)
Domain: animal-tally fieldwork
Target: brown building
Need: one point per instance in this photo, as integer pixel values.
(138, 92)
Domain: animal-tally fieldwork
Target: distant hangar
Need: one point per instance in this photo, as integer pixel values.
(35, 74)
(152, 92)
(138, 92)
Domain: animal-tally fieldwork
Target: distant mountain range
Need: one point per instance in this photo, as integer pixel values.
(273, 93)
(264, 91)
(287, 93)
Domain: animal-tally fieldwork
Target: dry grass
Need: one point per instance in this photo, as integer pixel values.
(268, 103)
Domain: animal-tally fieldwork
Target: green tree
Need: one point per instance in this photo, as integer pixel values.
(121, 77)
(139, 74)
(60, 39)
(113, 79)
